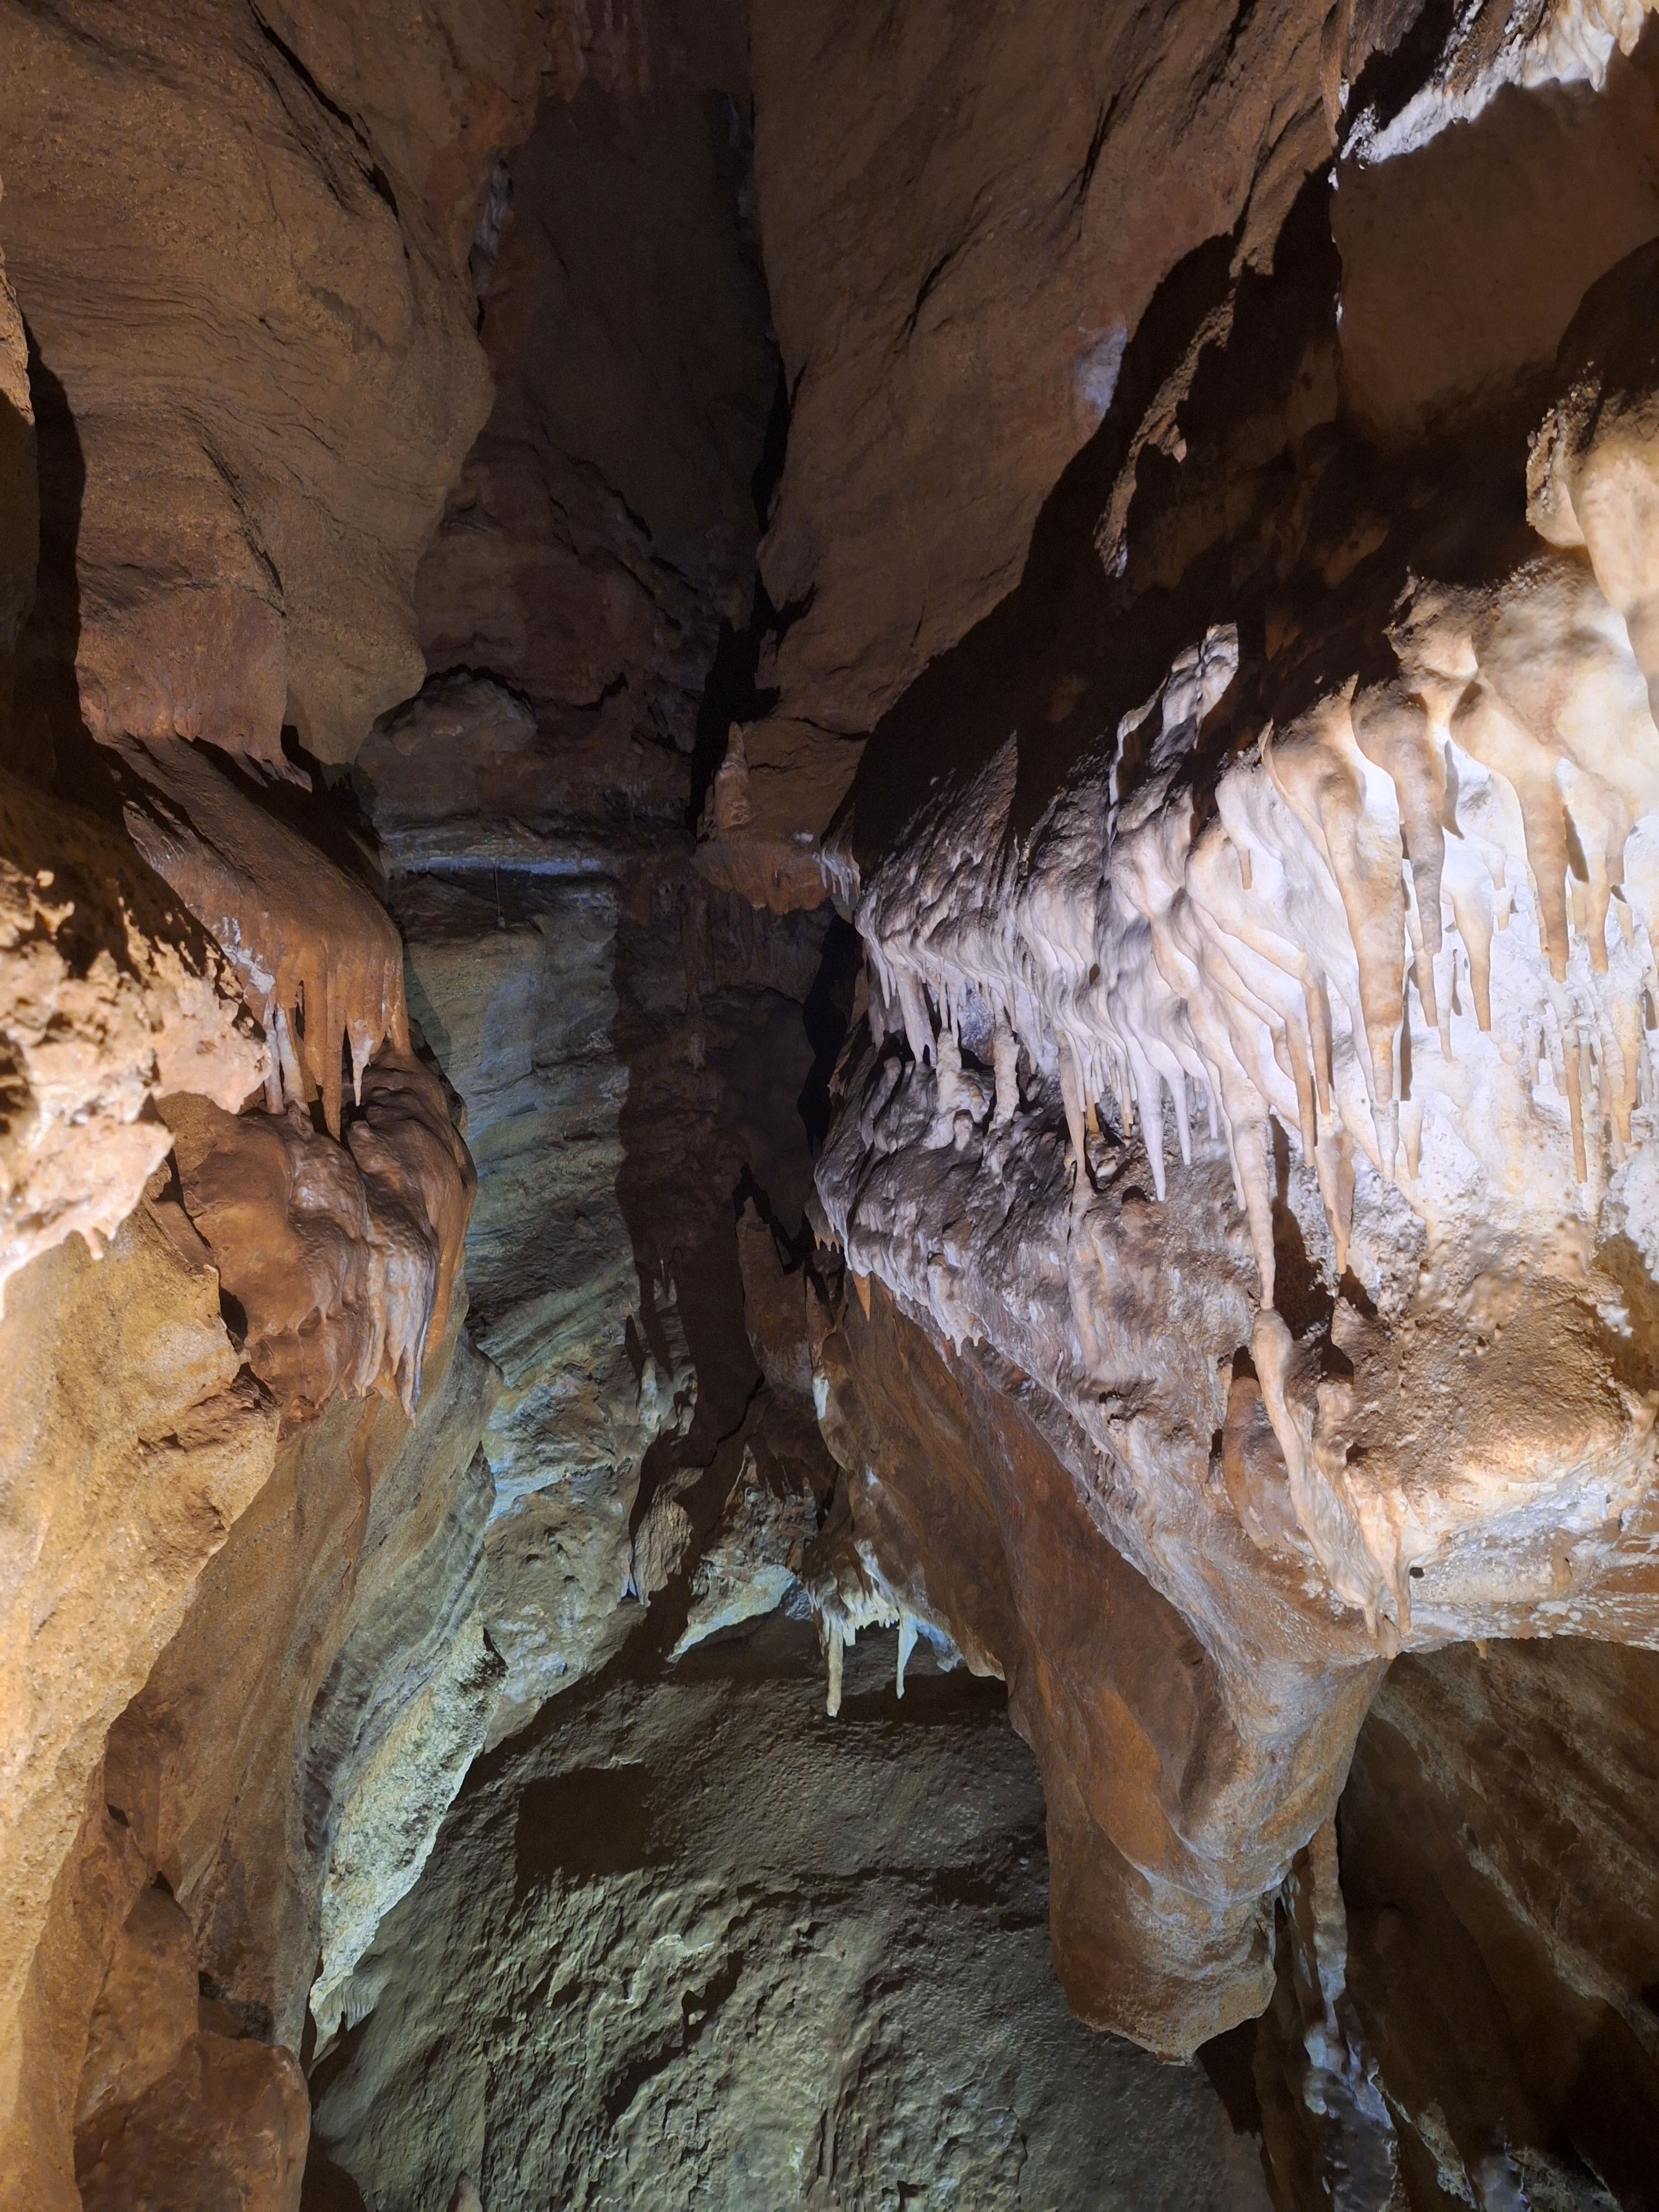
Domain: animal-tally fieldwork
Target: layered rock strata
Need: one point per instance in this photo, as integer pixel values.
(245, 1435)
(958, 282)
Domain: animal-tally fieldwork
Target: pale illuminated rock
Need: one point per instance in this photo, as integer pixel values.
(1390, 975)
(108, 1000)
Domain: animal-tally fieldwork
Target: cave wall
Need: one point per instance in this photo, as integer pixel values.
(371, 1510)
(1210, 1255)
(1152, 519)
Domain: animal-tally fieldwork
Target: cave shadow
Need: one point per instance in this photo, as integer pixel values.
(47, 743)
(1077, 645)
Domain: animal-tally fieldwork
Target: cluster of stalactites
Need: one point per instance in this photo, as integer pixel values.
(1480, 833)
(319, 960)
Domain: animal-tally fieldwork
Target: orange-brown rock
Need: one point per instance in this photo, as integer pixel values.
(965, 218)
(1165, 1820)
(345, 1583)
(20, 488)
(259, 376)
(605, 522)
(168, 2108)
(1499, 1866)
(135, 1440)
(341, 1257)
(319, 959)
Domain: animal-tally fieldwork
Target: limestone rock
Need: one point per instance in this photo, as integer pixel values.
(405, 1708)
(341, 1257)
(592, 1365)
(227, 2126)
(605, 524)
(147, 2009)
(318, 958)
(694, 1939)
(242, 464)
(954, 279)
(1498, 1866)
(20, 489)
(1204, 1125)
(134, 1441)
(109, 998)
(755, 1560)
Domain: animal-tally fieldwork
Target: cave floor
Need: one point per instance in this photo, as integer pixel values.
(687, 1941)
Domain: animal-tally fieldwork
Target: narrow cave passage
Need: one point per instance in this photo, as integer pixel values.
(828, 888)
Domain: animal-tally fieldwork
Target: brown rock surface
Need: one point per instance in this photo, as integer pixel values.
(261, 378)
(965, 218)
(1165, 1821)
(134, 1442)
(20, 486)
(1500, 1869)
(320, 1641)
(169, 2111)
(1236, 1225)
(318, 958)
(341, 1257)
(1213, 1188)
(604, 522)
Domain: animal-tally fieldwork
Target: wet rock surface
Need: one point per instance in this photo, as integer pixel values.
(691, 1942)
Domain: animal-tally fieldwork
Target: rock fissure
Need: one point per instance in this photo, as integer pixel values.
(827, 1196)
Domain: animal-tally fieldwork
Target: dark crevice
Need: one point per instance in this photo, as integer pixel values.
(924, 292)
(1086, 175)
(370, 169)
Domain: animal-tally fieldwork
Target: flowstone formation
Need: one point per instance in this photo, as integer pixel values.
(1245, 1168)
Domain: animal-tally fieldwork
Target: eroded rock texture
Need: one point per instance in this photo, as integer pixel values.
(1349, 914)
(699, 1943)
(242, 1547)
(511, 515)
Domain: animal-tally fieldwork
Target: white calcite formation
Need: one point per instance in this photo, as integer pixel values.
(319, 961)
(1385, 978)
(108, 1001)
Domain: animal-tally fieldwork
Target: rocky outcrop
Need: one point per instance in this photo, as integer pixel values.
(20, 487)
(242, 461)
(956, 282)
(136, 1442)
(109, 1000)
(1497, 1865)
(1179, 1245)
(247, 379)
(695, 1938)
(1348, 912)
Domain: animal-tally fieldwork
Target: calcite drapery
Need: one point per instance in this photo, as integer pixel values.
(1388, 971)
(341, 1257)
(319, 961)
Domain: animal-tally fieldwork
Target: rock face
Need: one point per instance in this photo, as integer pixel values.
(1499, 1822)
(109, 1000)
(506, 511)
(698, 1941)
(1347, 910)
(521, 1014)
(241, 463)
(120, 1370)
(605, 524)
(955, 279)
(235, 387)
